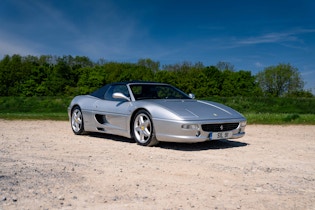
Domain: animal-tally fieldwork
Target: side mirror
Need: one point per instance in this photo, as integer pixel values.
(191, 95)
(120, 96)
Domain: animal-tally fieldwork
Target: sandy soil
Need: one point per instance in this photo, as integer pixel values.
(43, 165)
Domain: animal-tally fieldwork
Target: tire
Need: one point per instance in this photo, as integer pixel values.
(77, 123)
(143, 130)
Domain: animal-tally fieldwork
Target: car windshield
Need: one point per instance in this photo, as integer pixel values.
(156, 91)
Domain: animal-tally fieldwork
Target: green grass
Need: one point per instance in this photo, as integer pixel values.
(50, 108)
(272, 110)
(256, 110)
(280, 118)
(268, 104)
(34, 116)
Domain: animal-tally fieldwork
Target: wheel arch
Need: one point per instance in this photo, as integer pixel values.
(73, 107)
(133, 116)
(71, 110)
(152, 140)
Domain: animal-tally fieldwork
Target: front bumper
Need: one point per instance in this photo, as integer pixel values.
(170, 131)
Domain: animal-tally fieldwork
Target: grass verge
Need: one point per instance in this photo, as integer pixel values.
(34, 116)
(280, 118)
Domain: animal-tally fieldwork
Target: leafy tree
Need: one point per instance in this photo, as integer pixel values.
(14, 71)
(48, 75)
(214, 79)
(5, 78)
(165, 77)
(301, 94)
(229, 85)
(280, 80)
(246, 84)
(90, 79)
(150, 64)
(183, 67)
(222, 66)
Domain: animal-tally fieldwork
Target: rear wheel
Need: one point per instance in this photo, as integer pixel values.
(77, 124)
(143, 130)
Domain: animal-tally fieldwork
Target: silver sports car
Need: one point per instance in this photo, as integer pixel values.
(151, 112)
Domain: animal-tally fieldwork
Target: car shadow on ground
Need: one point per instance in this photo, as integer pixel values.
(111, 137)
(208, 145)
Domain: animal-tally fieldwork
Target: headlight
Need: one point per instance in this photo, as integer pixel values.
(243, 123)
(190, 127)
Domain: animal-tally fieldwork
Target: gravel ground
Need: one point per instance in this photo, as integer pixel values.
(43, 165)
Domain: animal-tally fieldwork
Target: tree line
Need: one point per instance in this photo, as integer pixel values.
(49, 75)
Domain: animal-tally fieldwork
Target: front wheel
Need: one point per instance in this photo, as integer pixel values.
(143, 130)
(77, 124)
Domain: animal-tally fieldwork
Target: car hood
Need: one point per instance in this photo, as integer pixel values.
(198, 109)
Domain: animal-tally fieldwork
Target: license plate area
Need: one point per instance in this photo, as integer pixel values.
(221, 135)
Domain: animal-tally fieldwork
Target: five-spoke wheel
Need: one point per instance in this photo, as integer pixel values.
(143, 130)
(77, 120)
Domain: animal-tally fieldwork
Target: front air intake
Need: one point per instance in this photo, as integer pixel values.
(219, 127)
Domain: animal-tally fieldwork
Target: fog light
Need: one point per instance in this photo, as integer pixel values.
(190, 127)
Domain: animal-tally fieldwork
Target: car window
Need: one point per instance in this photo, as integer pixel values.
(116, 89)
(149, 91)
(169, 93)
(99, 93)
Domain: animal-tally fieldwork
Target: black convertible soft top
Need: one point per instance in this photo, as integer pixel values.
(99, 93)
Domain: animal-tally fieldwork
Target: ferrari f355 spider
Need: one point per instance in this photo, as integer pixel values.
(151, 112)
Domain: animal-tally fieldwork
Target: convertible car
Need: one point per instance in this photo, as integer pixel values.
(151, 112)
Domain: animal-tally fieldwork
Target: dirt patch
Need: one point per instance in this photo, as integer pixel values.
(43, 165)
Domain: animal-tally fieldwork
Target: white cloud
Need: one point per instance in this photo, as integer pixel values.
(290, 36)
(258, 65)
(269, 38)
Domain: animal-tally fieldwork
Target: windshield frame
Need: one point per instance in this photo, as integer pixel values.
(146, 91)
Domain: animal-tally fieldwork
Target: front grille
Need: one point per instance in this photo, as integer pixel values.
(219, 127)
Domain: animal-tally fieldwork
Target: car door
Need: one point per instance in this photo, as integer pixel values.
(112, 114)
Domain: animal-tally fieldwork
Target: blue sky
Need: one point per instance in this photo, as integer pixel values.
(249, 34)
